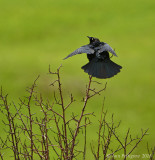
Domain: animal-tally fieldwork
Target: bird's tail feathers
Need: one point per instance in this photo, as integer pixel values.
(102, 69)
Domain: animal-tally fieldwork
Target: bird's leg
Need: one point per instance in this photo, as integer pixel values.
(111, 56)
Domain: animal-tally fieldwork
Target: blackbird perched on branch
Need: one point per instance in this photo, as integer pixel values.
(100, 64)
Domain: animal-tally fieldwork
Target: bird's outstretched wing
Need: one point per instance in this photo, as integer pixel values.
(84, 49)
(105, 47)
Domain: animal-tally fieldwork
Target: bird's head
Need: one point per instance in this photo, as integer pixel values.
(93, 40)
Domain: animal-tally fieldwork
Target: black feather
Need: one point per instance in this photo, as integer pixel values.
(101, 69)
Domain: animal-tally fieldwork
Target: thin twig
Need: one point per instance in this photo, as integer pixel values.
(85, 139)
(143, 134)
(79, 121)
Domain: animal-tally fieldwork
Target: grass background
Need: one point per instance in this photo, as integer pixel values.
(34, 34)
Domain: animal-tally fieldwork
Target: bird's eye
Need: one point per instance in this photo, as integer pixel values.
(92, 39)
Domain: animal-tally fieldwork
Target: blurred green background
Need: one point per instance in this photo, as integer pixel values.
(35, 33)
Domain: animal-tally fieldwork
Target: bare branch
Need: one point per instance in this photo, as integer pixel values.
(143, 134)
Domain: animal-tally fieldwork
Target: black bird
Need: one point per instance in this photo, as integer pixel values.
(100, 64)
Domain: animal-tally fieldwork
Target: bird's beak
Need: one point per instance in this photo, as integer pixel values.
(88, 37)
